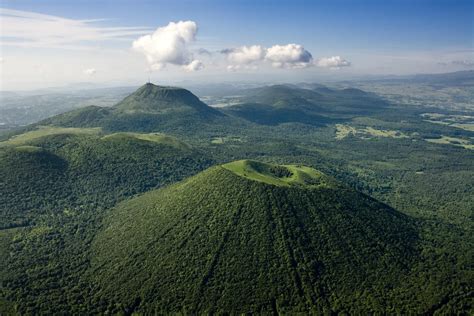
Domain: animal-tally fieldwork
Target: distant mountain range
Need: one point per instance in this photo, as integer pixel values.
(157, 108)
(313, 104)
(19, 108)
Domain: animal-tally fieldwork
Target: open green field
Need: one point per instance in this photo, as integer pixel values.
(225, 139)
(446, 140)
(467, 126)
(150, 137)
(465, 122)
(22, 140)
(43, 131)
(342, 131)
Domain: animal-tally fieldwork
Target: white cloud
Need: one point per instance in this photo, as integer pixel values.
(195, 65)
(168, 45)
(90, 71)
(289, 56)
(280, 56)
(245, 54)
(29, 29)
(334, 62)
(234, 68)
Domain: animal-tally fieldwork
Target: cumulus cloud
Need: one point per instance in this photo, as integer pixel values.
(169, 45)
(245, 55)
(289, 56)
(280, 56)
(233, 67)
(90, 71)
(334, 62)
(195, 65)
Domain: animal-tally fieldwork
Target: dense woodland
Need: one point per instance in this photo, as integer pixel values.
(401, 243)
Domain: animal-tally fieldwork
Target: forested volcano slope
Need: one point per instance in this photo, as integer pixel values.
(250, 237)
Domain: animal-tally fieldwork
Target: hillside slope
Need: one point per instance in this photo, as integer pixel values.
(149, 109)
(52, 169)
(249, 237)
(313, 104)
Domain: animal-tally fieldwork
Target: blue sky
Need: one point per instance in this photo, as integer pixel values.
(344, 38)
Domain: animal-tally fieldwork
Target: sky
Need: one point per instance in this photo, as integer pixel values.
(55, 43)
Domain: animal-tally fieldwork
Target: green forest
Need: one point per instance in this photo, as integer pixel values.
(310, 200)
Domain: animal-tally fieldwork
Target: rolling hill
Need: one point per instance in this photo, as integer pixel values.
(251, 237)
(314, 104)
(154, 108)
(282, 96)
(149, 109)
(50, 169)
